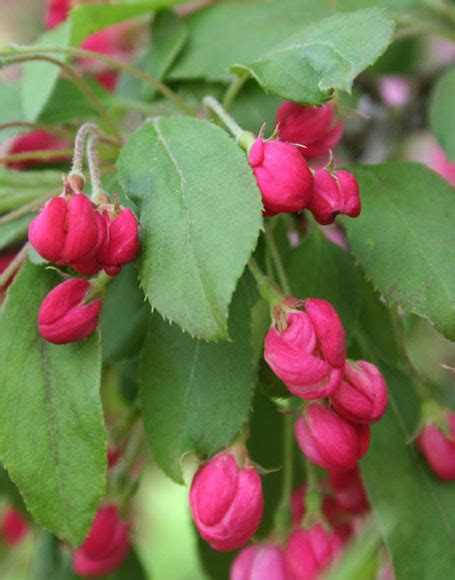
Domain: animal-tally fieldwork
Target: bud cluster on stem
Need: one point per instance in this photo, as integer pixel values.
(73, 231)
(280, 166)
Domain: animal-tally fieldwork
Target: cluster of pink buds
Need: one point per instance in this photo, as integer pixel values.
(72, 231)
(282, 173)
(115, 41)
(305, 347)
(226, 500)
(309, 549)
(106, 545)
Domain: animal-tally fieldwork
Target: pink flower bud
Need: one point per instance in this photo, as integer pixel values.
(315, 128)
(36, 141)
(310, 552)
(226, 502)
(68, 230)
(282, 175)
(439, 449)
(362, 396)
(13, 527)
(259, 561)
(334, 194)
(122, 241)
(63, 317)
(106, 545)
(309, 354)
(329, 440)
(348, 490)
(56, 12)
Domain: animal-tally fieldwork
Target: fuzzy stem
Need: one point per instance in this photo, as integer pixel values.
(14, 266)
(243, 138)
(69, 70)
(115, 64)
(79, 142)
(98, 193)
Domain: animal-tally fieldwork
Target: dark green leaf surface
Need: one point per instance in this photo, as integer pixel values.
(169, 34)
(326, 55)
(442, 118)
(52, 438)
(404, 236)
(320, 269)
(238, 32)
(201, 213)
(405, 495)
(195, 395)
(124, 317)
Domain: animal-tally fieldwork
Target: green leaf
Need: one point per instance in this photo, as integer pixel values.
(124, 317)
(68, 103)
(200, 403)
(237, 32)
(169, 34)
(39, 78)
(20, 187)
(322, 57)
(442, 119)
(402, 238)
(252, 108)
(396, 476)
(201, 213)
(88, 18)
(13, 231)
(11, 109)
(320, 269)
(404, 494)
(52, 438)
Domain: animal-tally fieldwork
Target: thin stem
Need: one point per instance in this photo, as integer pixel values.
(115, 64)
(234, 89)
(82, 85)
(243, 138)
(64, 133)
(98, 192)
(14, 266)
(79, 142)
(282, 277)
(41, 155)
(283, 514)
(266, 286)
(17, 213)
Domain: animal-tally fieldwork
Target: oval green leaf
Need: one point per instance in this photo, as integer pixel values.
(201, 213)
(52, 438)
